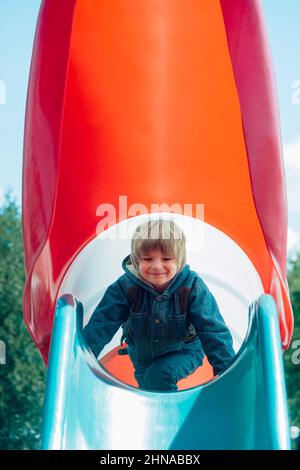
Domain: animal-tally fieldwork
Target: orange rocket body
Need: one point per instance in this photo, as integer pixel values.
(170, 103)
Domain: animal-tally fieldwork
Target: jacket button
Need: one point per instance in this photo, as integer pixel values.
(159, 299)
(157, 321)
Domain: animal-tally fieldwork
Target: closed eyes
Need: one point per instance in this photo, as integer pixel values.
(150, 259)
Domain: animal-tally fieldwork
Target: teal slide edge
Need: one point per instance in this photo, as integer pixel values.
(87, 408)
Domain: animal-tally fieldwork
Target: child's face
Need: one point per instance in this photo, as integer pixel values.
(157, 268)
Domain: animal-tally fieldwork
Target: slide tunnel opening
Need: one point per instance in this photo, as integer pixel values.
(221, 263)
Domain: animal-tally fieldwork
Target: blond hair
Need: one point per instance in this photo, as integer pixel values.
(160, 234)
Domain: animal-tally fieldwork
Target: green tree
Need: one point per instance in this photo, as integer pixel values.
(22, 377)
(292, 356)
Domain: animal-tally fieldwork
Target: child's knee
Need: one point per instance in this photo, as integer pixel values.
(158, 377)
(140, 379)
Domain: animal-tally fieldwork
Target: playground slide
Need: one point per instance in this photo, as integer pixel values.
(169, 109)
(87, 408)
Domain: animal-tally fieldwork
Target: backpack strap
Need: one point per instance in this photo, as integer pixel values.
(183, 298)
(134, 294)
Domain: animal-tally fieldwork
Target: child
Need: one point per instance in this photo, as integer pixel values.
(168, 315)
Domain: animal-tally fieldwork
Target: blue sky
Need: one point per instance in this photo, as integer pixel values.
(283, 27)
(17, 25)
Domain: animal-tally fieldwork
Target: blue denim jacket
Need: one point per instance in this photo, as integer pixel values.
(159, 327)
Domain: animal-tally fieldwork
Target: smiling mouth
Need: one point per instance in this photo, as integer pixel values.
(157, 274)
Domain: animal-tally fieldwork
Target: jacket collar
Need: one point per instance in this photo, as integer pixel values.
(135, 276)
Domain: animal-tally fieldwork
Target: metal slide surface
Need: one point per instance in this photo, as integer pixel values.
(244, 408)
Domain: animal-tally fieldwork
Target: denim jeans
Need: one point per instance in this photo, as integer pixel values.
(163, 373)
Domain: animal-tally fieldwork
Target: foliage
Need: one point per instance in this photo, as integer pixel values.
(292, 356)
(22, 377)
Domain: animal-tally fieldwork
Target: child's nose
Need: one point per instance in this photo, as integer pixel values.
(156, 264)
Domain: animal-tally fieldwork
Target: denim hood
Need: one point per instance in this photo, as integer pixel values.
(134, 275)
